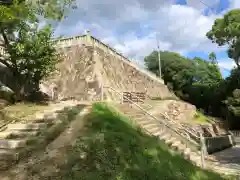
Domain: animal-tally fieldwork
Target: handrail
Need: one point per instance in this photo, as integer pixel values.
(187, 141)
(182, 128)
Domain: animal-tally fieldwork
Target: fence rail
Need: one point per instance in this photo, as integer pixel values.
(134, 96)
(183, 135)
(235, 133)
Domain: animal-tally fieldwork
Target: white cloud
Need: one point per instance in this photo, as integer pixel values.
(203, 4)
(234, 4)
(227, 64)
(130, 26)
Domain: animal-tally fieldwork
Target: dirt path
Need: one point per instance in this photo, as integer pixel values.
(44, 165)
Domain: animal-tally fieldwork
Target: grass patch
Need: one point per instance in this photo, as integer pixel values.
(22, 110)
(200, 118)
(113, 148)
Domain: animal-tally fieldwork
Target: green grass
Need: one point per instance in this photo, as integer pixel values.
(22, 110)
(200, 118)
(112, 148)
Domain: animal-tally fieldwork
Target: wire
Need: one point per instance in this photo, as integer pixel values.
(211, 8)
(205, 4)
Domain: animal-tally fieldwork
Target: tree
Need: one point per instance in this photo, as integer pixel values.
(29, 52)
(32, 57)
(193, 80)
(212, 57)
(226, 31)
(233, 108)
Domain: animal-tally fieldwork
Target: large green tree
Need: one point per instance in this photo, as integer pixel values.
(212, 57)
(191, 79)
(28, 50)
(226, 31)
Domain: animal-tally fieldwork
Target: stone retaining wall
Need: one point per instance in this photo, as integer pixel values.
(76, 78)
(118, 74)
(85, 69)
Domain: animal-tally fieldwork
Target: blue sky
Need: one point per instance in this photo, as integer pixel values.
(133, 27)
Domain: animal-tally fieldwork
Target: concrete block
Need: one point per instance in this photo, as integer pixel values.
(26, 127)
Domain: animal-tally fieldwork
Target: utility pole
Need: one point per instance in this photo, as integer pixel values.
(159, 59)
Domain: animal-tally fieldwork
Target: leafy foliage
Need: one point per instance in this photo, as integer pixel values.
(112, 147)
(199, 82)
(212, 57)
(191, 79)
(33, 56)
(225, 31)
(28, 50)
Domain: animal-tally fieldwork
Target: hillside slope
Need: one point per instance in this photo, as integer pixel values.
(112, 147)
(109, 147)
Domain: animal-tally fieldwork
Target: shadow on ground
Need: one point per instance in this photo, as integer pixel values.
(113, 149)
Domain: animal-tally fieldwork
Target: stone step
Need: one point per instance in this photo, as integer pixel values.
(187, 153)
(7, 157)
(165, 137)
(158, 132)
(196, 160)
(135, 116)
(170, 141)
(176, 144)
(17, 134)
(149, 125)
(153, 129)
(46, 118)
(26, 126)
(194, 157)
(5, 134)
(140, 119)
(181, 148)
(143, 121)
(12, 144)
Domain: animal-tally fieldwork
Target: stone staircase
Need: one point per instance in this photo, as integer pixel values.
(15, 137)
(176, 143)
(156, 129)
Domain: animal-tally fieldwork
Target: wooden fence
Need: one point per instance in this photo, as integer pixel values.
(134, 96)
